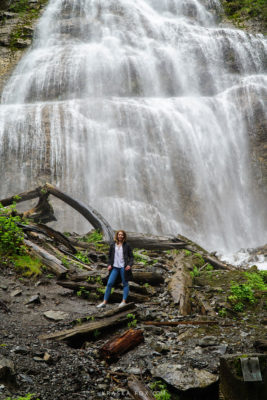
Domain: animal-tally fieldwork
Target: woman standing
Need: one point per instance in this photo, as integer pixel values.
(120, 261)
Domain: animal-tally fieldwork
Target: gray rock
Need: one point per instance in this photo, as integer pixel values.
(56, 315)
(189, 378)
(20, 350)
(208, 341)
(34, 299)
(16, 292)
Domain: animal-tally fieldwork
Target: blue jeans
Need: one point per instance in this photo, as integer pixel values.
(111, 280)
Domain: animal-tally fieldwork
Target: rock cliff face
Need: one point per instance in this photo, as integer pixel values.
(17, 21)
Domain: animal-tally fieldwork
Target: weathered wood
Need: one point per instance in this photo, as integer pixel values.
(4, 307)
(47, 259)
(176, 323)
(121, 344)
(43, 211)
(86, 330)
(69, 257)
(92, 216)
(138, 390)
(114, 297)
(152, 278)
(152, 242)
(179, 287)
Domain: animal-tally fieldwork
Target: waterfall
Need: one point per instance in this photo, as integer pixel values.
(143, 109)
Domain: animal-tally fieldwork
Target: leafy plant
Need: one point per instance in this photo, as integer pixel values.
(132, 320)
(82, 257)
(83, 292)
(11, 235)
(222, 312)
(140, 258)
(160, 391)
(28, 265)
(27, 397)
(96, 333)
(195, 272)
(187, 252)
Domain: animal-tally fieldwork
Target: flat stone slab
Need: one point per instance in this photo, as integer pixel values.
(56, 315)
(191, 378)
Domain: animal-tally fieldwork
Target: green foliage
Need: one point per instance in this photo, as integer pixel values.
(241, 10)
(11, 236)
(195, 272)
(83, 292)
(139, 258)
(93, 237)
(222, 313)
(187, 252)
(209, 268)
(82, 257)
(244, 294)
(160, 391)
(29, 266)
(27, 397)
(132, 320)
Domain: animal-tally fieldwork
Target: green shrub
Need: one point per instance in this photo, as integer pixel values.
(11, 236)
(160, 391)
(27, 397)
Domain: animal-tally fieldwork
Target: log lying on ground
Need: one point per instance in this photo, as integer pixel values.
(138, 390)
(176, 323)
(114, 297)
(119, 345)
(53, 263)
(152, 242)
(50, 232)
(179, 288)
(85, 331)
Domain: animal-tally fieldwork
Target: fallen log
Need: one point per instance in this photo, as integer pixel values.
(85, 331)
(153, 242)
(53, 263)
(176, 323)
(69, 257)
(138, 390)
(47, 231)
(119, 345)
(153, 278)
(115, 296)
(179, 287)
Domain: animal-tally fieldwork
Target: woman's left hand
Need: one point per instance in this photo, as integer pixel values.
(127, 268)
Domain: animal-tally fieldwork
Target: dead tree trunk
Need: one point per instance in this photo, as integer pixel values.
(48, 259)
(121, 344)
(179, 288)
(87, 330)
(92, 216)
(138, 390)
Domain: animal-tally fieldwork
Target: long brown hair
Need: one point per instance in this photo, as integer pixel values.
(116, 236)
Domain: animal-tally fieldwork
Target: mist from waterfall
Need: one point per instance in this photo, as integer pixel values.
(142, 109)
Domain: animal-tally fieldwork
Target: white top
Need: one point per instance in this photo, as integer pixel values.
(118, 258)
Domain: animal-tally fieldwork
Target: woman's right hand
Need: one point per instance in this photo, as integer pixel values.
(109, 267)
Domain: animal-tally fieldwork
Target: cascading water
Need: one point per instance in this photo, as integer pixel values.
(141, 108)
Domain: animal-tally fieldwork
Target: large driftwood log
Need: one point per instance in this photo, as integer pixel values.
(114, 297)
(138, 390)
(153, 242)
(92, 216)
(85, 331)
(47, 259)
(50, 232)
(179, 287)
(121, 344)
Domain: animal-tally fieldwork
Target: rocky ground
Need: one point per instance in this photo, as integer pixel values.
(185, 357)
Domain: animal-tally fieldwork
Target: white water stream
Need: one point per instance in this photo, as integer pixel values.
(142, 109)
